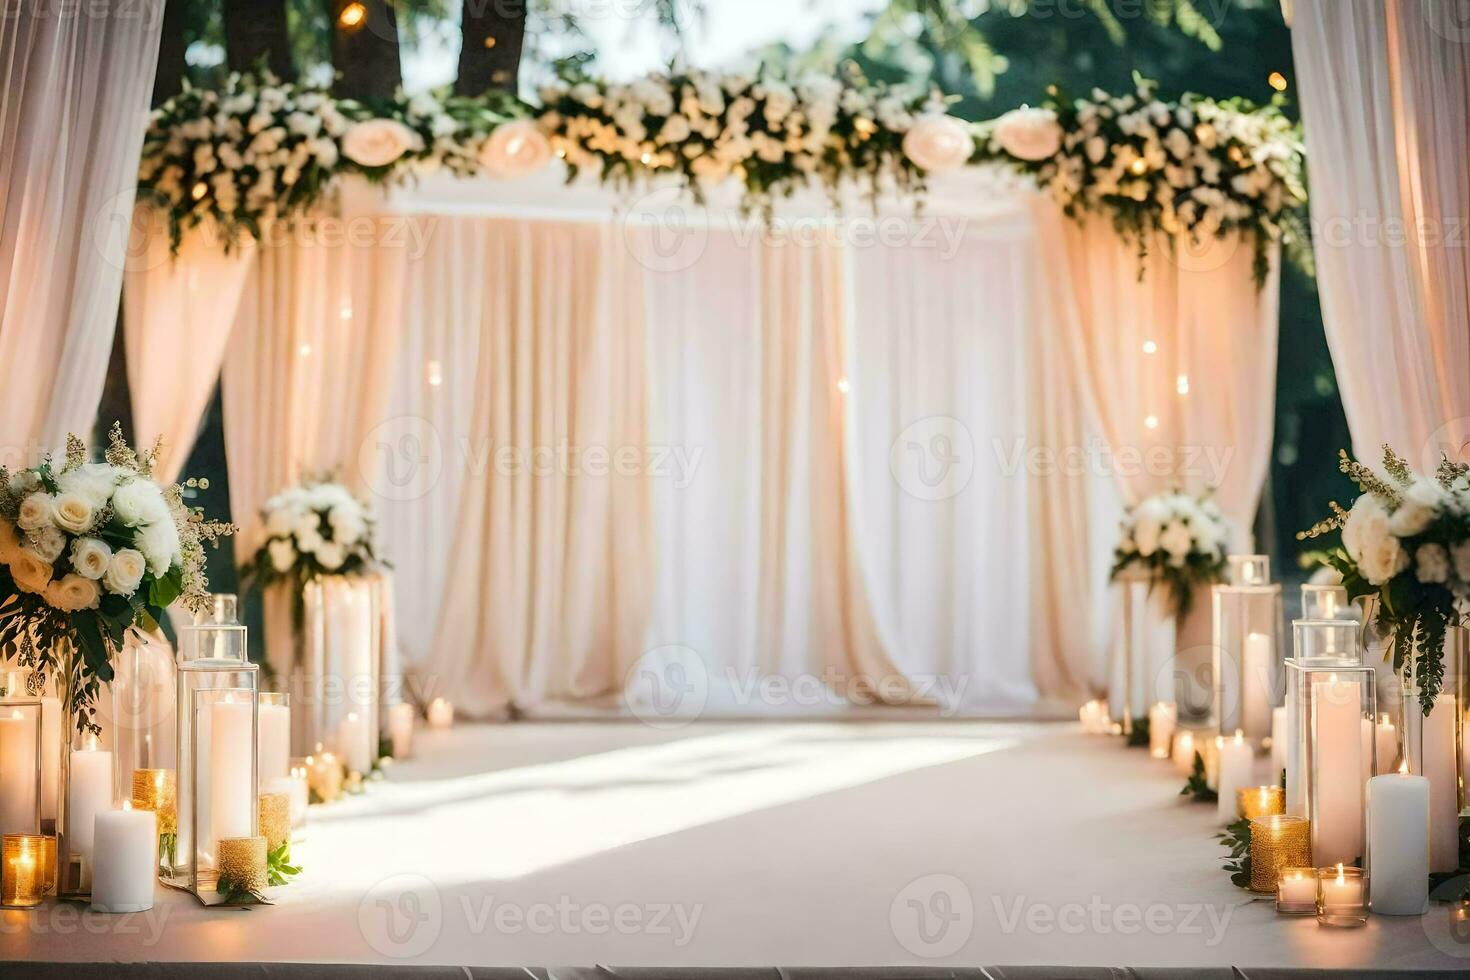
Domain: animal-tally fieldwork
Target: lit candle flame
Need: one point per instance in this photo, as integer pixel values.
(1339, 873)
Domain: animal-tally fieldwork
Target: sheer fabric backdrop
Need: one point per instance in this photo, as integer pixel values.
(74, 88)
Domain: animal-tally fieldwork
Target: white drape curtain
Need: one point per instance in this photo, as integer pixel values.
(75, 80)
(1385, 91)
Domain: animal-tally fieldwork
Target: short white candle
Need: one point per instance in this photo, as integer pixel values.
(1297, 888)
(1255, 704)
(1398, 843)
(1162, 717)
(353, 743)
(1439, 768)
(126, 860)
(18, 730)
(1342, 891)
(1184, 752)
(1236, 758)
(275, 741)
(90, 781)
(441, 714)
(1337, 817)
(400, 729)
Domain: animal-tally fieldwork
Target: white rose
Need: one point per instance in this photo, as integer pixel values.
(330, 555)
(73, 512)
(24, 483)
(280, 520)
(35, 511)
(1370, 543)
(378, 142)
(1432, 563)
(160, 545)
(1029, 134)
(90, 557)
(48, 542)
(125, 571)
(1416, 512)
(282, 554)
(515, 149)
(137, 502)
(1146, 536)
(938, 143)
(92, 480)
(73, 593)
(31, 573)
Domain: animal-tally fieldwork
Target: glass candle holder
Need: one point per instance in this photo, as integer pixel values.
(21, 760)
(1336, 708)
(1163, 718)
(157, 790)
(275, 737)
(23, 872)
(1137, 675)
(1296, 891)
(142, 706)
(339, 671)
(1328, 602)
(1342, 896)
(1277, 842)
(1248, 648)
(1260, 801)
(1317, 644)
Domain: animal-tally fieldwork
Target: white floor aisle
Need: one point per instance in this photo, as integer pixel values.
(961, 843)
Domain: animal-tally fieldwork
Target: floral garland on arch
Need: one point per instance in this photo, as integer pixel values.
(1197, 167)
(1406, 540)
(88, 551)
(1176, 540)
(313, 530)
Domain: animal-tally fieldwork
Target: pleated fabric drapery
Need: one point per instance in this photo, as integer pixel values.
(1385, 93)
(75, 81)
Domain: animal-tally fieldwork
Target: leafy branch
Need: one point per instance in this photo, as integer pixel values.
(1197, 788)
(1237, 837)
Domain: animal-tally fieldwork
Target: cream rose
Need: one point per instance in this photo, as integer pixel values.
(35, 512)
(125, 571)
(30, 572)
(90, 557)
(515, 149)
(938, 143)
(330, 555)
(1029, 134)
(283, 554)
(73, 512)
(378, 142)
(73, 593)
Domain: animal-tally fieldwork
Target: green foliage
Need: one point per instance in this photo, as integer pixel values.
(1197, 787)
(1138, 734)
(278, 867)
(1237, 839)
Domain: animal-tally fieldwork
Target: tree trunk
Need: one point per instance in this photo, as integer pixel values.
(168, 81)
(255, 34)
(365, 49)
(491, 34)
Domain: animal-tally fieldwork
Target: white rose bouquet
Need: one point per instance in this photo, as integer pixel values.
(88, 551)
(1177, 540)
(312, 530)
(1406, 540)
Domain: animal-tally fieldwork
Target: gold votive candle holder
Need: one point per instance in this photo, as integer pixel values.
(1278, 841)
(1342, 896)
(157, 790)
(242, 862)
(275, 819)
(1260, 801)
(325, 775)
(1296, 891)
(23, 873)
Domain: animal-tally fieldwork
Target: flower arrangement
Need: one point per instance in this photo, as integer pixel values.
(1175, 539)
(1406, 540)
(88, 551)
(1196, 167)
(312, 530)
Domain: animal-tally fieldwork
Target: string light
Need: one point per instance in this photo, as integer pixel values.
(489, 41)
(843, 385)
(1151, 422)
(346, 311)
(199, 190)
(352, 15)
(1277, 81)
(1181, 384)
(305, 350)
(1138, 167)
(434, 373)
(1149, 346)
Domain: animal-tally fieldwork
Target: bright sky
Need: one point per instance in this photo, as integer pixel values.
(630, 42)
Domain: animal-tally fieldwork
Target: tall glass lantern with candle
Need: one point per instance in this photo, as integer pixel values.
(21, 756)
(218, 738)
(1248, 648)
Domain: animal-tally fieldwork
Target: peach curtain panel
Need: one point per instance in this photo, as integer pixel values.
(1385, 91)
(75, 80)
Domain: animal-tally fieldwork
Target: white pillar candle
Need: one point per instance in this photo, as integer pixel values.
(1162, 717)
(274, 723)
(353, 743)
(1440, 769)
(1279, 742)
(1184, 752)
(126, 860)
(1386, 738)
(400, 729)
(90, 793)
(50, 756)
(18, 771)
(1236, 758)
(441, 714)
(1337, 817)
(230, 801)
(1398, 843)
(1255, 703)
(1211, 756)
